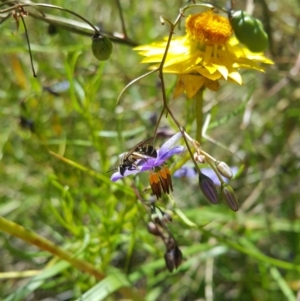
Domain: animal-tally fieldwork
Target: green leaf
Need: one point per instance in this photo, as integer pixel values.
(35, 282)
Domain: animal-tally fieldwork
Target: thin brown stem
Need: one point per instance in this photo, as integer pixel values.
(189, 149)
(121, 18)
(29, 49)
(22, 5)
(157, 123)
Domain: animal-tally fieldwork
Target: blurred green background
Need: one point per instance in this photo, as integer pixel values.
(70, 109)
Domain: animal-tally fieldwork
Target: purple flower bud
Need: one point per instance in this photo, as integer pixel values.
(208, 188)
(173, 258)
(224, 169)
(230, 197)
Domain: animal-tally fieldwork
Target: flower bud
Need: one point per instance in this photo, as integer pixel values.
(167, 218)
(153, 229)
(230, 197)
(249, 31)
(102, 47)
(199, 158)
(224, 169)
(208, 188)
(161, 217)
(173, 258)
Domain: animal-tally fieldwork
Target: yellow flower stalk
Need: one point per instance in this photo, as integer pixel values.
(206, 54)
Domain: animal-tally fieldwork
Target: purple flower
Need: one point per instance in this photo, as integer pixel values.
(163, 154)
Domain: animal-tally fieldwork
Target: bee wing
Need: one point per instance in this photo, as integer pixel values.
(138, 157)
(140, 144)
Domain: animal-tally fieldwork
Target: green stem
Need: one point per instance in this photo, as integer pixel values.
(92, 173)
(253, 252)
(199, 114)
(45, 244)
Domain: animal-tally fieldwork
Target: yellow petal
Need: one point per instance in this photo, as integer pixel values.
(205, 73)
(210, 68)
(235, 76)
(223, 70)
(212, 85)
(192, 84)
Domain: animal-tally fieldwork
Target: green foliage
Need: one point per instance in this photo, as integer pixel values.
(62, 131)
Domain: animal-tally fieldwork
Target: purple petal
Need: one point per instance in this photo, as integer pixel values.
(185, 172)
(117, 176)
(148, 164)
(169, 143)
(211, 174)
(163, 156)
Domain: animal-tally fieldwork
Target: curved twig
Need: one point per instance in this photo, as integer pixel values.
(134, 81)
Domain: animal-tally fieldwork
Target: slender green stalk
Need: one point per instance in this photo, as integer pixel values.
(45, 244)
(92, 173)
(121, 18)
(199, 113)
(254, 253)
(29, 48)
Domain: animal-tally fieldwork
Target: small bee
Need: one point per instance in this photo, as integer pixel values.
(142, 151)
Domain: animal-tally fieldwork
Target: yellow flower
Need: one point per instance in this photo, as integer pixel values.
(207, 53)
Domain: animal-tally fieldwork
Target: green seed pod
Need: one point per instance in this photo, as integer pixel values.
(102, 47)
(249, 31)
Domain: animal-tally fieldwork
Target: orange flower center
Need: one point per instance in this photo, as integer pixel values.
(208, 28)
